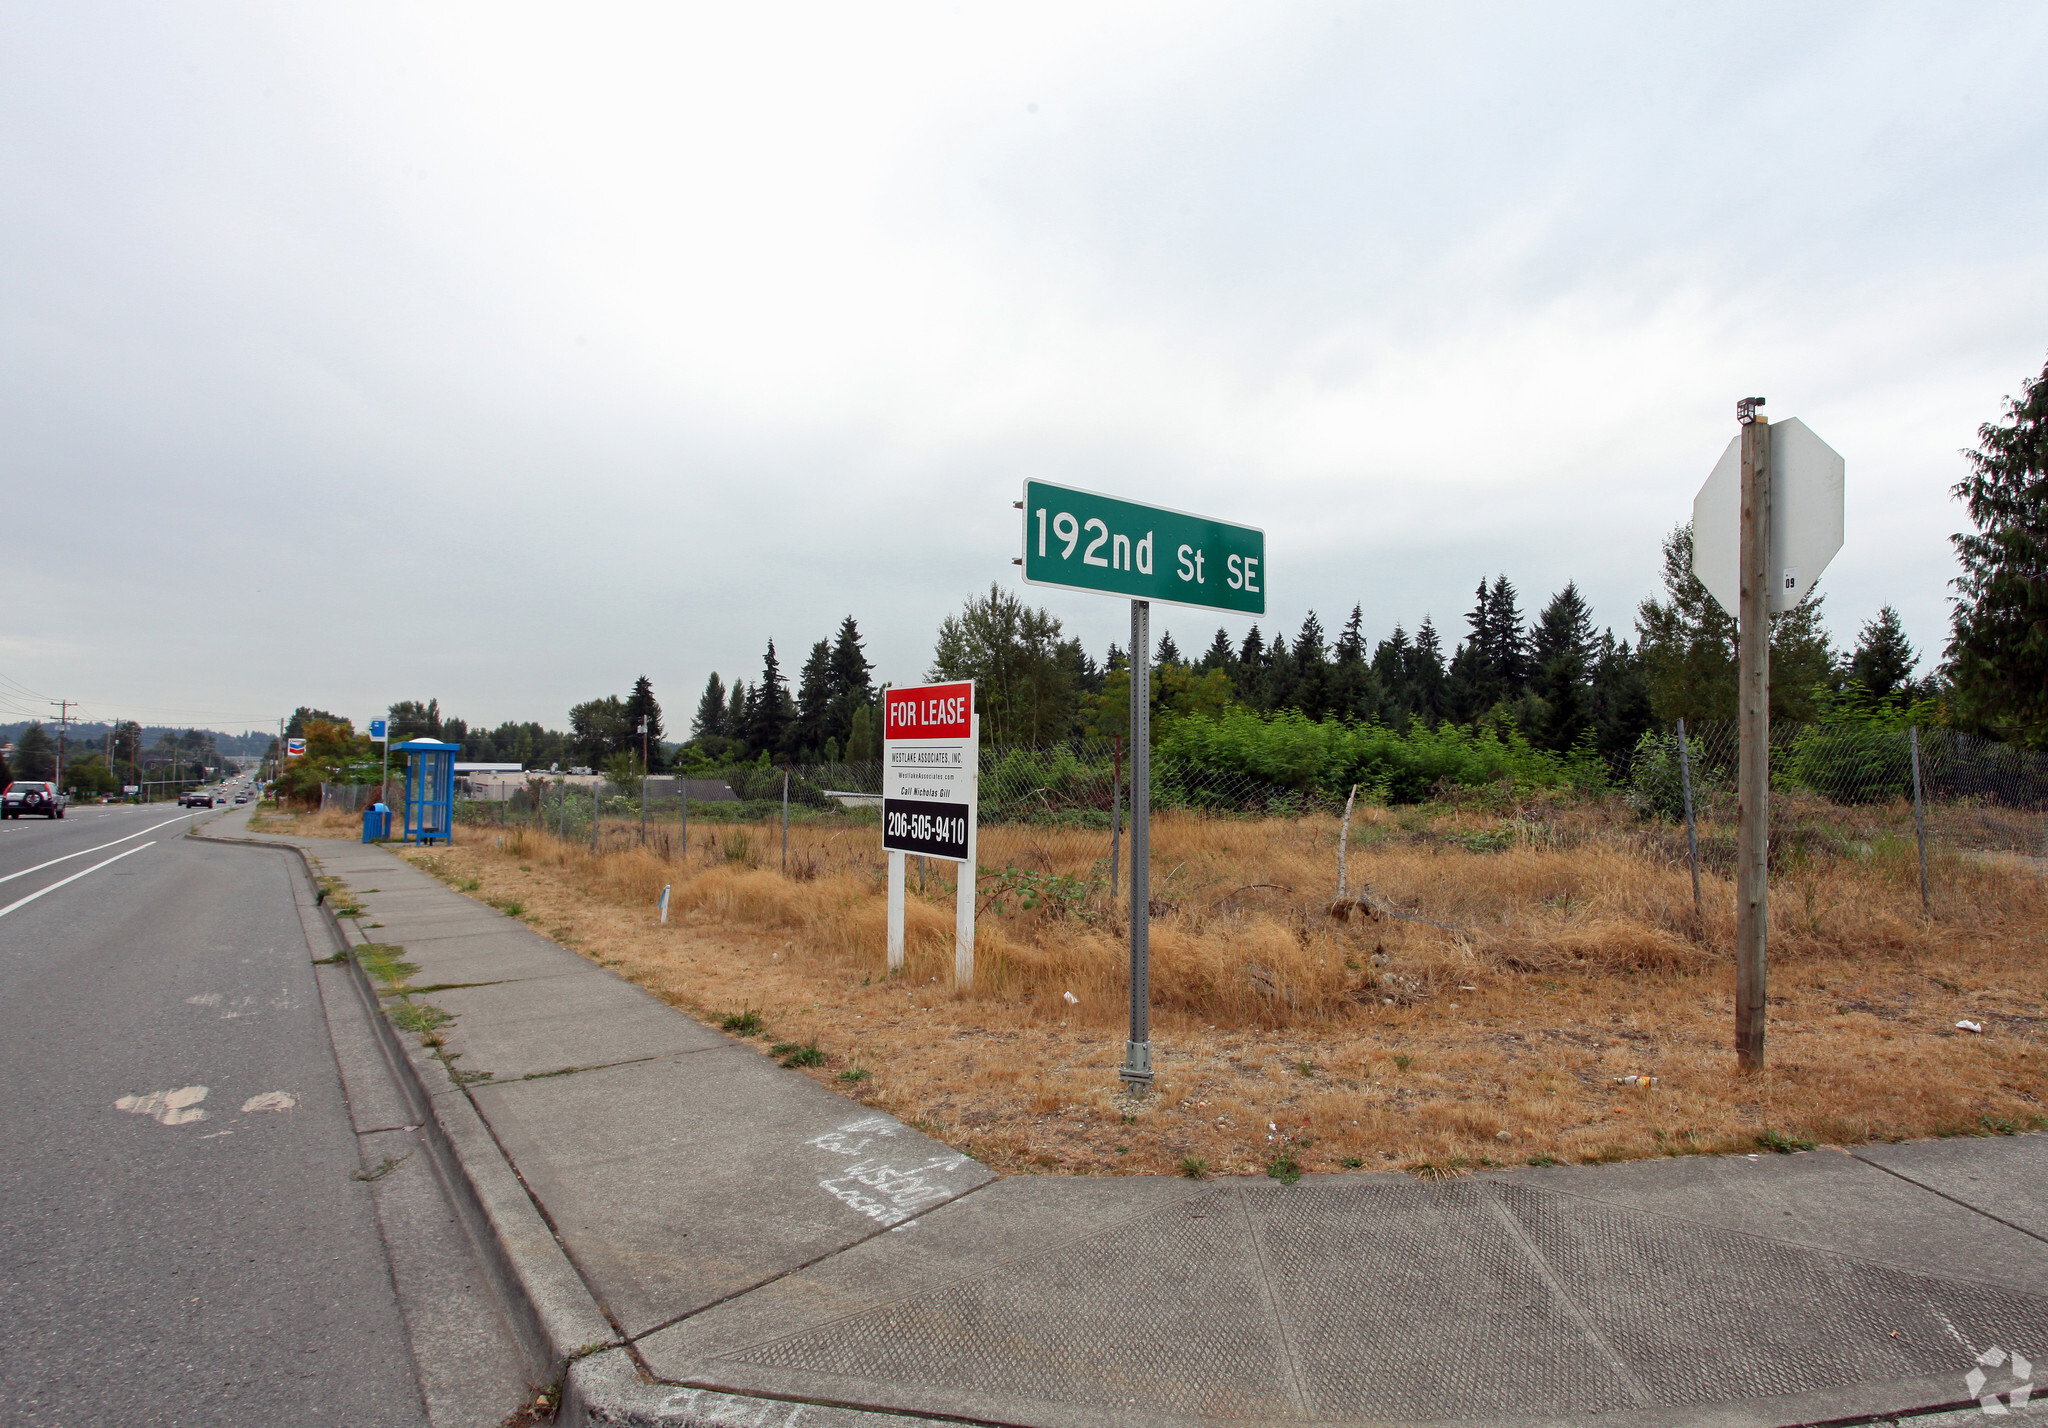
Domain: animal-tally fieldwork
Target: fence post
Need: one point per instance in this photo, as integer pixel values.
(643, 808)
(785, 822)
(1920, 821)
(1692, 838)
(683, 803)
(562, 791)
(596, 806)
(1344, 843)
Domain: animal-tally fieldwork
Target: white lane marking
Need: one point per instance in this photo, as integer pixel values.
(83, 851)
(270, 1101)
(171, 1108)
(207, 999)
(24, 902)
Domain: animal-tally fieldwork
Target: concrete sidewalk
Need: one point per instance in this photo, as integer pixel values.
(713, 1239)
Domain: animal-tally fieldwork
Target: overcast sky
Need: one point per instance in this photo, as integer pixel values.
(501, 354)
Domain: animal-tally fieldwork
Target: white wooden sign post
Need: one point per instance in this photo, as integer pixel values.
(931, 770)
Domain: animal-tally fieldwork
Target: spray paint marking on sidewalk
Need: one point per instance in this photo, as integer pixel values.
(886, 1193)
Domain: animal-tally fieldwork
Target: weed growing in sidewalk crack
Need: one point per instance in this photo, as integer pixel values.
(421, 1017)
(1194, 1167)
(382, 1168)
(385, 961)
(1283, 1167)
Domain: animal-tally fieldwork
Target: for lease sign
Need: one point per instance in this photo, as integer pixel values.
(930, 764)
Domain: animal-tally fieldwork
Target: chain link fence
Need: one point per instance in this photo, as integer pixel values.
(1052, 821)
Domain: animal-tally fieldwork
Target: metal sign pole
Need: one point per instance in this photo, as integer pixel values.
(1137, 1070)
(1753, 764)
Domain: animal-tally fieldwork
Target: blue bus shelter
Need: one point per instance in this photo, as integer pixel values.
(429, 789)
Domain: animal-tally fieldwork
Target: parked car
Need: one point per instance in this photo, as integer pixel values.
(25, 796)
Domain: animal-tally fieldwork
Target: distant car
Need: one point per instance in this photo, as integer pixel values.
(241, 798)
(196, 798)
(24, 796)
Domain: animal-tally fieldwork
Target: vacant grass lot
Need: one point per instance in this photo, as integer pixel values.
(1486, 1002)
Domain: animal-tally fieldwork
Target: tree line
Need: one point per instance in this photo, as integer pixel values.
(1561, 682)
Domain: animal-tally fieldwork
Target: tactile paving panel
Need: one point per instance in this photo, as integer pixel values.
(1704, 1315)
(1167, 1312)
(1417, 1301)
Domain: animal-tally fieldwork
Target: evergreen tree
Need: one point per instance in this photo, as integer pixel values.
(739, 706)
(1425, 676)
(1115, 659)
(35, 756)
(1219, 655)
(1621, 700)
(814, 703)
(1311, 669)
(769, 714)
(1561, 656)
(1169, 652)
(711, 715)
(852, 682)
(1353, 690)
(1254, 678)
(1468, 685)
(1283, 675)
(1883, 659)
(641, 704)
(1506, 649)
(1392, 659)
(1998, 647)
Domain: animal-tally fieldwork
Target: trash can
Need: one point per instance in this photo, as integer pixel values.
(376, 822)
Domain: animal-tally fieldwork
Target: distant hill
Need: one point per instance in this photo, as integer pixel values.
(235, 746)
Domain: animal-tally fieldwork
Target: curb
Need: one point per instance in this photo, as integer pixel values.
(564, 1332)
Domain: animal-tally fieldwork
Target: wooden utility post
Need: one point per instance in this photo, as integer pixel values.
(1753, 776)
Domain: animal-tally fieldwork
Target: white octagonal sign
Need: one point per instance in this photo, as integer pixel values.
(1806, 517)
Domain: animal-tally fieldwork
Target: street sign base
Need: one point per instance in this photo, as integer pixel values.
(1137, 1068)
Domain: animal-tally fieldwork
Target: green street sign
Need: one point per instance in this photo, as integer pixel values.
(1079, 540)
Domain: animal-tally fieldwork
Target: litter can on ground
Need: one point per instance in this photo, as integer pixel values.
(376, 822)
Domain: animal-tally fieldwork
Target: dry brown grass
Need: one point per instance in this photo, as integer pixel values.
(1565, 961)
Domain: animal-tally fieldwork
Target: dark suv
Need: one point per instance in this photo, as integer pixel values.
(23, 796)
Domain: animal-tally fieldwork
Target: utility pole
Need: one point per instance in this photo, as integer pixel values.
(1753, 765)
(643, 784)
(63, 724)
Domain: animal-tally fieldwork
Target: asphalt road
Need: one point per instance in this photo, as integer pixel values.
(184, 1241)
